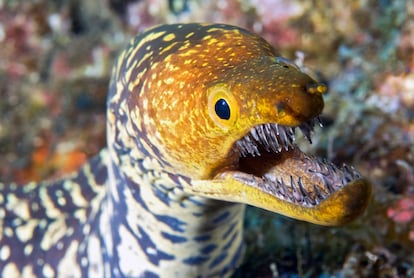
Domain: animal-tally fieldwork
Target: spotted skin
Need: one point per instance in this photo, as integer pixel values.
(44, 225)
(155, 202)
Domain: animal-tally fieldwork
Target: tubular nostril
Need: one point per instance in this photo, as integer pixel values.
(316, 88)
(286, 63)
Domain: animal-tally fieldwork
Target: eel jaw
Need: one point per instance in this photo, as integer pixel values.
(273, 174)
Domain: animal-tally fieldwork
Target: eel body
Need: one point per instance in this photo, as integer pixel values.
(201, 120)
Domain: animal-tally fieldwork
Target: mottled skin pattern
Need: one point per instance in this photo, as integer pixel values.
(154, 203)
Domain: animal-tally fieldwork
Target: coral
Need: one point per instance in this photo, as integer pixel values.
(403, 211)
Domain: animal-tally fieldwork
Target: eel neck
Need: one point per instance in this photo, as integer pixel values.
(156, 228)
(159, 229)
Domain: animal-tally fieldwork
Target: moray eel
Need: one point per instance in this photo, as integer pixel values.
(201, 120)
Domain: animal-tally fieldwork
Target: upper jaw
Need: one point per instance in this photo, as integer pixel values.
(273, 138)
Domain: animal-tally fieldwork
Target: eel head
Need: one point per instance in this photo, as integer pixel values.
(263, 166)
(218, 107)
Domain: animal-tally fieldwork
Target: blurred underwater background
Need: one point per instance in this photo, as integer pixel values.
(55, 63)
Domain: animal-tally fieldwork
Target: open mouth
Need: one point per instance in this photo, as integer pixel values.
(271, 162)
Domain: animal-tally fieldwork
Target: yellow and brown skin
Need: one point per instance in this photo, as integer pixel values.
(210, 62)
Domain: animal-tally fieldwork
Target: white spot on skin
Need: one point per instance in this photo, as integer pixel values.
(84, 261)
(69, 231)
(25, 232)
(4, 253)
(17, 222)
(35, 206)
(59, 193)
(68, 263)
(76, 193)
(28, 249)
(42, 224)
(47, 202)
(129, 249)
(87, 229)
(48, 271)
(81, 215)
(55, 231)
(28, 272)
(10, 270)
(8, 232)
(105, 227)
(61, 201)
(82, 247)
(151, 251)
(40, 262)
(18, 206)
(30, 187)
(169, 80)
(59, 245)
(95, 258)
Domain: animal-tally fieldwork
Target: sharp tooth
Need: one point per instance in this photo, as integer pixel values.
(296, 194)
(348, 174)
(346, 179)
(302, 187)
(324, 168)
(268, 131)
(285, 189)
(318, 164)
(292, 134)
(256, 150)
(283, 137)
(318, 193)
(273, 144)
(332, 169)
(270, 178)
(253, 132)
(277, 129)
(247, 146)
(347, 170)
(319, 121)
(262, 135)
(275, 134)
(240, 147)
(306, 133)
(307, 129)
(328, 186)
(268, 136)
(355, 173)
(252, 149)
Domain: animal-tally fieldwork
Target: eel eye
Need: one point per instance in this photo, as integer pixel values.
(222, 109)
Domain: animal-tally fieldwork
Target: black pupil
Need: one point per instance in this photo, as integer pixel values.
(222, 109)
